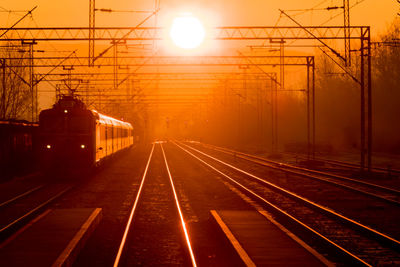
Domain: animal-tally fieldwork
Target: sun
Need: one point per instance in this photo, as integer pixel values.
(187, 32)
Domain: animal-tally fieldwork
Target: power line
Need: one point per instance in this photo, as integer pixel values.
(109, 10)
(28, 13)
(355, 4)
(4, 10)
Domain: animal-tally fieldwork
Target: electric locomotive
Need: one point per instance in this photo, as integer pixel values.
(73, 137)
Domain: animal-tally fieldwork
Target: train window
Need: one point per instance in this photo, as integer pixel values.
(79, 124)
(115, 132)
(102, 132)
(109, 132)
(52, 124)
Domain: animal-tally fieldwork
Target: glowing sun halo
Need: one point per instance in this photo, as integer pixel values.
(187, 32)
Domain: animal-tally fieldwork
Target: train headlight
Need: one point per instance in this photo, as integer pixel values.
(48, 146)
(83, 146)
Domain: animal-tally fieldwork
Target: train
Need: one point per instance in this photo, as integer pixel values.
(17, 147)
(73, 137)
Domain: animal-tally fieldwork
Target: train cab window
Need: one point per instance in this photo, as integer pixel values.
(52, 124)
(79, 124)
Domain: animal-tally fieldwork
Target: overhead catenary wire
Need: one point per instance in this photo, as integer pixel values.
(3, 10)
(314, 8)
(318, 8)
(340, 13)
(109, 10)
(23, 17)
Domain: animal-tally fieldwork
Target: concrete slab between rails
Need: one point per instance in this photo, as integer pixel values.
(54, 238)
(261, 241)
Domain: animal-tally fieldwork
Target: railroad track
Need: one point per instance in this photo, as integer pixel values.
(140, 219)
(380, 192)
(357, 242)
(22, 207)
(350, 165)
(370, 209)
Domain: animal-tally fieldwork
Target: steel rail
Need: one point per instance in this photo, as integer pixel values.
(360, 226)
(355, 165)
(281, 166)
(179, 210)
(13, 223)
(128, 224)
(21, 195)
(350, 164)
(276, 208)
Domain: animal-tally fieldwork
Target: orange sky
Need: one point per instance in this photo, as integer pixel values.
(74, 13)
(376, 13)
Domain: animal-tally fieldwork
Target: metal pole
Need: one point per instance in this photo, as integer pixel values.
(362, 83)
(115, 66)
(259, 115)
(272, 117)
(313, 106)
(3, 96)
(36, 99)
(282, 82)
(346, 7)
(92, 16)
(156, 7)
(70, 81)
(282, 63)
(369, 102)
(276, 117)
(308, 110)
(31, 79)
(239, 121)
(244, 82)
